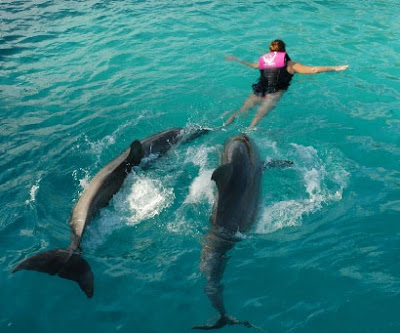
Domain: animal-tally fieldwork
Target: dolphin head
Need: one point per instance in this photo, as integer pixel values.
(239, 148)
(238, 180)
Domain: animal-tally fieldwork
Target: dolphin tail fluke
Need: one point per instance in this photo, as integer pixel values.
(65, 264)
(223, 321)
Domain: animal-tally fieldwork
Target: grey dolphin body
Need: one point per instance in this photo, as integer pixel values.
(69, 263)
(235, 208)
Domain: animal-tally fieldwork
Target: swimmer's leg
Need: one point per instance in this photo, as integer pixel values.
(268, 103)
(248, 103)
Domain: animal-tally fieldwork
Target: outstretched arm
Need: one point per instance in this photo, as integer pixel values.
(250, 64)
(296, 67)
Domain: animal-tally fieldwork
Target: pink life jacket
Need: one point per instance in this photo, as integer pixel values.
(272, 60)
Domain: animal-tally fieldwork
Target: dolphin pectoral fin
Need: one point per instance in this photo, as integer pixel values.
(278, 164)
(71, 266)
(223, 321)
(222, 174)
(136, 154)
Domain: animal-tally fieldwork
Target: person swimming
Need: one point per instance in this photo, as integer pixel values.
(276, 72)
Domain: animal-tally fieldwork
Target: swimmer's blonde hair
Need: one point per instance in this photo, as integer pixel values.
(277, 45)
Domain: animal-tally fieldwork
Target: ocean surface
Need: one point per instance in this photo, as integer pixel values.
(80, 80)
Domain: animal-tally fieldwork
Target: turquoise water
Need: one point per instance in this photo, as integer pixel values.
(79, 80)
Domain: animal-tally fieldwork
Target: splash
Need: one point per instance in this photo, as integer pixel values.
(200, 196)
(97, 147)
(323, 179)
(199, 155)
(283, 214)
(180, 226)
(147, 198)
(201, 188)
(82, 176)
(140, 198)
(33, 191)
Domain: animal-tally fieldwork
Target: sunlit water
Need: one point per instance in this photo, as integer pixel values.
(79, 80)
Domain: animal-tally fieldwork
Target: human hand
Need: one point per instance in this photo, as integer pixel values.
(231, 58)
(341, 68)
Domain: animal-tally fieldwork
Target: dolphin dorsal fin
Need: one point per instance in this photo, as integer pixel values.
(136, 154)
(222, 174)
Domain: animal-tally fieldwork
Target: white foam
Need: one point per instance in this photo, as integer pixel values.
(280, 215)
(33, 191)
(312, 179)
(140, 198)
(82, 176)
(180, 226)
(324, 182)
(98, 232)
(308, 154)
(199, 155)
(201, 192)
(98, 146)
(268, 144)
(201, 188)
(147, 198)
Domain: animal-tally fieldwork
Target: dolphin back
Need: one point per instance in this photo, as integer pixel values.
(136, 152)
(68, 263)
(65, 264)
(238, 180)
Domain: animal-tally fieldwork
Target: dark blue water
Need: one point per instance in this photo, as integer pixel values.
(79, 80)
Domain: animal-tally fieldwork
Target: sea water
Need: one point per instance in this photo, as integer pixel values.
(79, 80)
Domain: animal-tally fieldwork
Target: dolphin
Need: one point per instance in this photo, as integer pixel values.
(238, 181)
(68, 263)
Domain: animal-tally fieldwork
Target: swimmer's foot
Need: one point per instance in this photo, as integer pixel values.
(224, 114)
(217, 128)
(229, 121)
